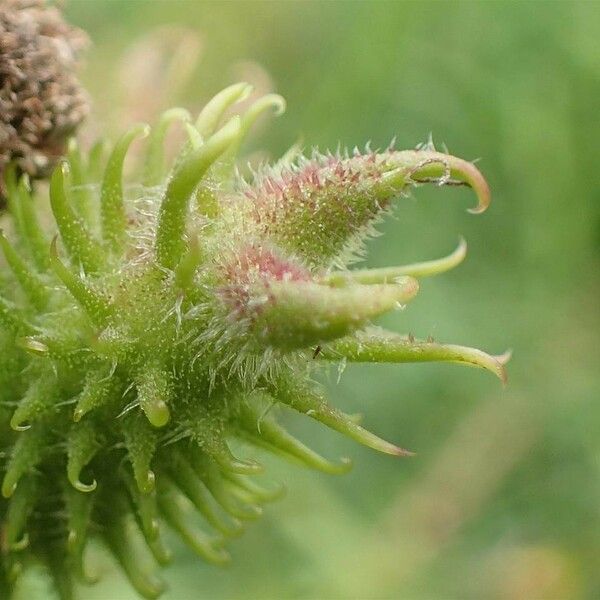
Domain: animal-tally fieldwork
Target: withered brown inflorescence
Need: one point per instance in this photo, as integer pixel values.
(41, 99)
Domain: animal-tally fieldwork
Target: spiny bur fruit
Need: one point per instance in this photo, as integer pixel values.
(146, 327)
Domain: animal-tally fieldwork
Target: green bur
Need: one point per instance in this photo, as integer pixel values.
(153, 324)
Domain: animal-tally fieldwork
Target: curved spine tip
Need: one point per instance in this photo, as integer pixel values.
(153, 387)
(141, 440)
(84, 487)
(17, 424)
(160, 552)
(41, 395)
(466, 172)
(393, 274)
(505, 357)
(158, 413)
(82, 445)
(21, 544)
(273, 102)
(378, 345)
(430, 166)
(223, 456)
(270, 101)
(210, 116)
(248, 88)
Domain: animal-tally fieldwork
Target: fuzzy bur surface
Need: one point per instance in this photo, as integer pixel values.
(148, 328)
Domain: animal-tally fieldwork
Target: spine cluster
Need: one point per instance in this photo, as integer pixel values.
(154, 328)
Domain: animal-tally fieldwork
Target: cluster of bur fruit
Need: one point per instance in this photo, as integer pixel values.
(145, 327)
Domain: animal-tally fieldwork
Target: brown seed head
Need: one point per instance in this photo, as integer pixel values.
(41, 99)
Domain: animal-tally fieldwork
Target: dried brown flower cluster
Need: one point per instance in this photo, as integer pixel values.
(41, 99)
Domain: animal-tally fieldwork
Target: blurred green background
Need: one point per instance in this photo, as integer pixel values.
(503, 497)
